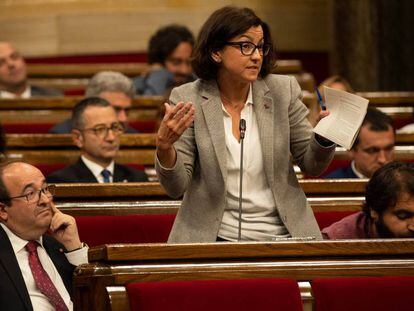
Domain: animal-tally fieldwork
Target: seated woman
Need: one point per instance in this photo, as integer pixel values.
(198, 142)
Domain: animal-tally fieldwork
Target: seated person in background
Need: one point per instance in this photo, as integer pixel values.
(113, 86)
(169, 56)
(40, 246)
(373, 147)
(13, 76)
(389, 207)
(336, 82)
(96, 131)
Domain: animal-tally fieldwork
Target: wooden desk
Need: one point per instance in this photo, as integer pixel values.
(313, 188)
(116, 265)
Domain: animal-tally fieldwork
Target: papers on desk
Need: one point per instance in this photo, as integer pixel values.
(347, 111)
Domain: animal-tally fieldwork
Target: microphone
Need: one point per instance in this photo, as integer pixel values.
(242, 129)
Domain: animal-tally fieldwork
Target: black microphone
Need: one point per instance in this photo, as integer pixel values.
(242, 129)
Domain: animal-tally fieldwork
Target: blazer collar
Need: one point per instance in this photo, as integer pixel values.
(212, 110)
(264, 109)
(11, 267)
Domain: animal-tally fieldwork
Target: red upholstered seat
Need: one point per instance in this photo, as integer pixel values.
(18, 128)
(47, 169)
(226, 295)
(144, 126)
(364, 294)
(98, 230)
(325, 219)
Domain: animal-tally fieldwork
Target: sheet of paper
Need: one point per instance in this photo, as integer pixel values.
(347, 111)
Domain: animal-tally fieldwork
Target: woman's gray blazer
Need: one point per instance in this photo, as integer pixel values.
(200, 172)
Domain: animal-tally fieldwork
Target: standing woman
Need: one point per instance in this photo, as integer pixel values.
(198, 150)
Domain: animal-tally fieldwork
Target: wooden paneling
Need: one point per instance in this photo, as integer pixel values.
(51, 27)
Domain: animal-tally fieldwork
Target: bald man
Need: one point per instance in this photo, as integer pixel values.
(13, 76)
(40, 246)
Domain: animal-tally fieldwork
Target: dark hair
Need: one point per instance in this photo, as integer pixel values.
(80, 107)
(166, 40)
(223, 25)
(376, 121)
(385, 186)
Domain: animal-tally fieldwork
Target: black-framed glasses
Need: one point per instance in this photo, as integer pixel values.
(247, 48)
(102, 130)
(35, 195)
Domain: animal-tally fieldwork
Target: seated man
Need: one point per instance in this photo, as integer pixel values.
(389, 207)
(169, 56)
(96, 131)
(373, 147)
(13, 76)
(40, 246)
(113, 86)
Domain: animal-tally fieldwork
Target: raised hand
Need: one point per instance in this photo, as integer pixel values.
(63, 228)
(176, 120)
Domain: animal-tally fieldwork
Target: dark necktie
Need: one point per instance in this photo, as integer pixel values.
(106, 174)
(42, 279)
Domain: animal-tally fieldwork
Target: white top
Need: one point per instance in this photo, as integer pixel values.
(260, 218)
(26, 94)
(40, 301)
(96, 169)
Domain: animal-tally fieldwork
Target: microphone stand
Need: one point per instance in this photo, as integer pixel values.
(242, 129)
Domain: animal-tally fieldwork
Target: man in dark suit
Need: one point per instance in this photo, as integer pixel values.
(13, 76)
(373, 148)
(96, 130)
(35, 268)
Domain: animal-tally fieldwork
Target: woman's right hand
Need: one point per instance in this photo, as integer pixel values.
(176, 120)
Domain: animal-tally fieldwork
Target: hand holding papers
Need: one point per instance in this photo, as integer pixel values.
(347, 111)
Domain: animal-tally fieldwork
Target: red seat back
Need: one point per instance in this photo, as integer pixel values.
(98, 230)
(19, 128)
(247, 294)
(325, 219)
(364, 294)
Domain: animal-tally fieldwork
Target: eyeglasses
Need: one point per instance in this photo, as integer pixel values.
(34, 196)
(247, 48)
(102, 130)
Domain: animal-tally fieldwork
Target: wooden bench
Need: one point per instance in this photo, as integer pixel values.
(128, 69)
(75, 77)
(80, 192)
(117, 265)
(119, 300)
(40, 114)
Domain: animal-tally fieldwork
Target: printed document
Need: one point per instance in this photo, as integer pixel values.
(347, 111)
